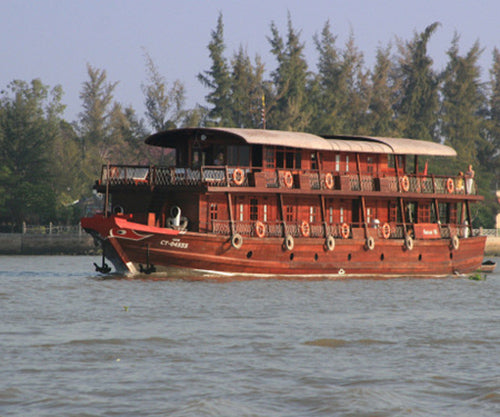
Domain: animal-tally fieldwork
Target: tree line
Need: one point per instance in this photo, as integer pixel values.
(47, 163)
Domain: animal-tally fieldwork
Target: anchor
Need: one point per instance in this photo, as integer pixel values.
(150, 268)
(104, 269)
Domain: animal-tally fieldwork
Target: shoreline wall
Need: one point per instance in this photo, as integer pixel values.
(83, 244)
(48, 244)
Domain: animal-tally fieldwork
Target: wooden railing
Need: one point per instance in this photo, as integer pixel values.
(320, 229)
(224, 176)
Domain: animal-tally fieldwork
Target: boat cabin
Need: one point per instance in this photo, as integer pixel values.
(263, 183)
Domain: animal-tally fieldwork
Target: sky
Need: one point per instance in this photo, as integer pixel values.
(54, 40)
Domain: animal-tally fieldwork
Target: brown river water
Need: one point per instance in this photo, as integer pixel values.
(75, 344)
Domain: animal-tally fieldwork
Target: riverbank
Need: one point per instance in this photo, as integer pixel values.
(83, 244)
(47, 244)
(492, 246)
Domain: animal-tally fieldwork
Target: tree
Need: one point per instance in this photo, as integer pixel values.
(357, 90)
(218, 80)
(289, 109)
(247, 90)
(97, 97)
(382, 102)
(327, 89)
(30, 117)
(463, 103)
(164, 109)
(418, 104)
(493, 150)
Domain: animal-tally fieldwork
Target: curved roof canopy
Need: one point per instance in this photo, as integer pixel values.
(336, 143)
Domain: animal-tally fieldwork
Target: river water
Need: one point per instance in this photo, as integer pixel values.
(75, 344)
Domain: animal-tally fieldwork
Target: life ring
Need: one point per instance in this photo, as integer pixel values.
(330, 243)
(305, 229)
(329, 181)
(236, 241)
(455, 242)
(260, 229)
(370, 243)
(288, 178)
(289, 243)
(238, 176)
(408, 242)
(386, 231)
(450, 185)
(405, 183)
(344, 230)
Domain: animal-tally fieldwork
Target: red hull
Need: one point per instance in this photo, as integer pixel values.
(133, 247)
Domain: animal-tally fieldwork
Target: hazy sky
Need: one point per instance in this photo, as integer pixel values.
(55, 39)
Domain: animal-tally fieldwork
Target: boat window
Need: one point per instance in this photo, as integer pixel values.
(347, 163)
(337, 162)
(269, 157)
(424, 212)
(314, 160)
(280, 158)
(286, 158)
(290, 213)
(213, 211)
(289, 160)
(394, 213)
(254, 209)
(257, 156)
(241, 210)
(238, 155)
(265, 212)
(369, 164)
(312, 214)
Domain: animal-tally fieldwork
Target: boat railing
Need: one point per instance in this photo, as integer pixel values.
(226, 176)
(297, 229)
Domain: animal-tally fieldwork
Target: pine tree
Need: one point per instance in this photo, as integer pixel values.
(164, 108)
(381, 108)
(492, 152)
(358, 90)
(463, 103)
(97, 97)
(247, 89)
(328, 94)
(218, 80)
(289, 106)
(418, 106)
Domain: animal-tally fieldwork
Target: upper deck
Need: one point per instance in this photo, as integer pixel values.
(247, 160)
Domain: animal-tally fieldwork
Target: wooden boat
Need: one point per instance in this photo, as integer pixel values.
(271, 203)
(488, 266)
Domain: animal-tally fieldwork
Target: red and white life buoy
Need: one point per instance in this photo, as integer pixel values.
(305, 229)
(238, 176)
(405, 183)
(345, 230)
(386, 231)
(450, 185)
(329, 181)
(260, 229)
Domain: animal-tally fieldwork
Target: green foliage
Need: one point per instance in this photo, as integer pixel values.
(289, 106)
(218, 79)
(417, 109)
(164, 109)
